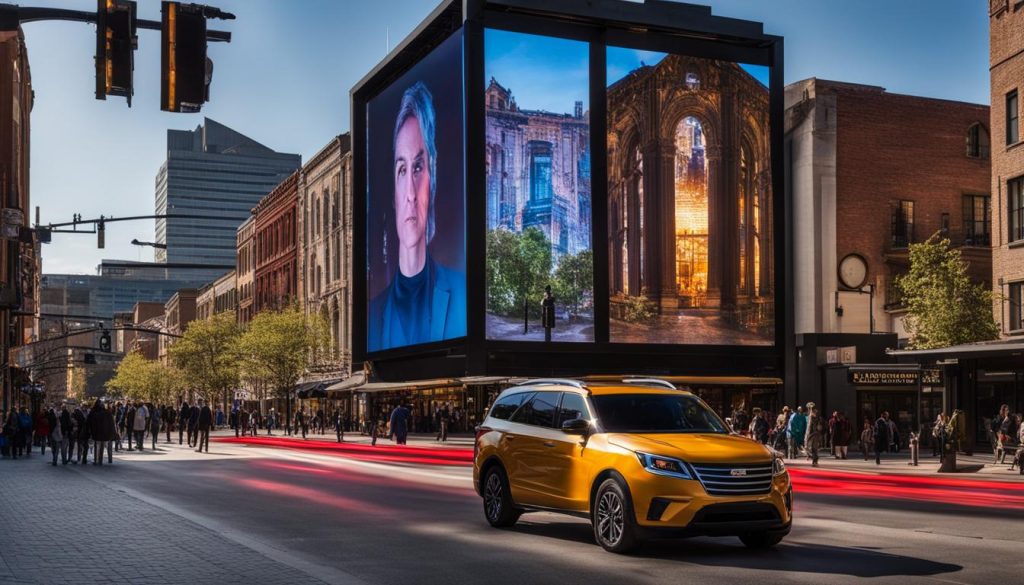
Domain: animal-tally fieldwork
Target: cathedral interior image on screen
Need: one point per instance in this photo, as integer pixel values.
(689, 201)
(538, 187)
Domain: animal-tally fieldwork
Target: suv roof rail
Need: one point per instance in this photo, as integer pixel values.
(563, 381)
(657, 382)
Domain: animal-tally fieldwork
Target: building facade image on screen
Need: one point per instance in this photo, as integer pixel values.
(416, 261)
(689, 201)
(538, 186)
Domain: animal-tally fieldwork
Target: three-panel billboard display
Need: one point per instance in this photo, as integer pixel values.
(573, 190)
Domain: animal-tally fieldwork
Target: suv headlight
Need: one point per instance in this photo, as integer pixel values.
(778, 466)
(660, 465)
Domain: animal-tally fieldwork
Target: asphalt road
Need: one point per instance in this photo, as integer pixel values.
(325, 518)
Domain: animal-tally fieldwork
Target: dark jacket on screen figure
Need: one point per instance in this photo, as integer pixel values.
(446, 311)
(882, 433)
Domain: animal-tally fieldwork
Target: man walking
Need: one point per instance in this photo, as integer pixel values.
(815, 430)
(66, 430)
(168, 416)
(129, 424)
(193, 425)
(204, 422)
(82, 435)
(154, 423)
(795, 430)
(139, 424)
(183, 416)
(881, 436)
(443, 417)
(300, 421)
(55, 434)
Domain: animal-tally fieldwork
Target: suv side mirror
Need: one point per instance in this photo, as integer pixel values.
(576, 426)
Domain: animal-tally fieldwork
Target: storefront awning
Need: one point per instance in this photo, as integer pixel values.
(316, 389)
(1006, 347)
(353, 382)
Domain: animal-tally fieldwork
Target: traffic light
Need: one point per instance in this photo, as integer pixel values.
(116, 42)
(185, 71)
(105, 341)
(101, 234)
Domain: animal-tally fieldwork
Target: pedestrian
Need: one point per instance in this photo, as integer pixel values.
(399, 424)
(140, 422)
(881, 436)
(1008, 429)
(55, 437)
(24, 432)
(339, 426)
(795, 430)
(444, 418)
(204, 423)
(938, 434)
(867, 439)
(815, 432)
(42, 431)
(109, 433)
(842, 434)
(300, 421)
(154, 423)
(271, 420)
(67, 427)
(129, 424)
(241, 422)
(219, 418)
(168, 415)
(193, 425)
(183, 416)
(118, 424)
(374, 424)
(894, 436)
(759, 426)
(81, 434)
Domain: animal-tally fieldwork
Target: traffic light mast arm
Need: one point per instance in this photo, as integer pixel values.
(50, 226)
(11, 15)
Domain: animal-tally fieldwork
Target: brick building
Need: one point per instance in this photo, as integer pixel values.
(217, 297)
(325, 250)
(179, 311)
(1006, 60)
(245, 268)
(872, 172)
(144, 315)
(276, 269)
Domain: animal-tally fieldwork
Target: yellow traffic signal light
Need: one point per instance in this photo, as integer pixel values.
(185, 70)
(116, 41)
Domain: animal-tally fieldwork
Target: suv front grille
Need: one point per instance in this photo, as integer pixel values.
(735, 480)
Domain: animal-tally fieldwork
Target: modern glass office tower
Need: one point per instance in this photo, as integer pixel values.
(218, 174)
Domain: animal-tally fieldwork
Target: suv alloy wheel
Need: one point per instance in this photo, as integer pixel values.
(498, 507)
(614, 524)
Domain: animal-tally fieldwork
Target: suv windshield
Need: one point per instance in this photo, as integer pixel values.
(656, 413)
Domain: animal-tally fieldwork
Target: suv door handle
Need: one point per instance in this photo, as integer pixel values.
(549, 443)
(510, 437)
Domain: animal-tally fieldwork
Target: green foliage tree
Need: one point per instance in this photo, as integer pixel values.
(137, 378)
(130, 376)
(943, 306)
(276, 348)
(207, 355)
(518, 268)
(574, 282)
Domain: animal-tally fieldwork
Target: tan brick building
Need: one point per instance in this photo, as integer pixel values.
(872, 172)
(276, 270)
(1006, 60)
(245, 269)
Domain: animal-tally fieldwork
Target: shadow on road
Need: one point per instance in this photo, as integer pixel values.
(728, 552)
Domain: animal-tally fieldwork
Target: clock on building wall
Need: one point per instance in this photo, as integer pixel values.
(853, 271)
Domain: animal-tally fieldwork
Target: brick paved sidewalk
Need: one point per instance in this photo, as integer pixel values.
(70, 524)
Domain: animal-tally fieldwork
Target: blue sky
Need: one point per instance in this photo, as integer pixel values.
(285, 78)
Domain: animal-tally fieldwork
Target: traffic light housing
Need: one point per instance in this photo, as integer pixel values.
(105, 341)
(101, 234)
(185, 71)
(116, 41)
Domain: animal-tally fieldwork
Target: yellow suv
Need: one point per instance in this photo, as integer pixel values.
(638, 458)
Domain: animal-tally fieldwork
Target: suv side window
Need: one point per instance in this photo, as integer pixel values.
(541, 411)
(573, 407)
(506, 405)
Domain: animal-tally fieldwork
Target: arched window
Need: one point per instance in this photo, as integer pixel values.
(978, 141)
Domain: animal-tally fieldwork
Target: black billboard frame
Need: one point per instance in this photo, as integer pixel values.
(601, 23)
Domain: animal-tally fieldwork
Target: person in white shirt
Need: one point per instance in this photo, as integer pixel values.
(139, 424)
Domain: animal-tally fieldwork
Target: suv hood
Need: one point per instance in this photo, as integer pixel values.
(695, 447)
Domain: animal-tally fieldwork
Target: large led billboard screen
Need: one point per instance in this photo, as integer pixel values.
(690, 222)
(538, 187)
(415, 205)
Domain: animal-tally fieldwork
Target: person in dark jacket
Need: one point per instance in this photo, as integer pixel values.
(82, 435)
(97, 423)
(118, 425)
(193, 425)
(759, 426)
(881, 436)
(109, 433)
(25, 432)
(168, 416)
(67, 428)
(183, 415)
(204, 423)
(129, 423)
(155, 418)
(842, 434)
(399, 423)
(54, 438)
(11, 430)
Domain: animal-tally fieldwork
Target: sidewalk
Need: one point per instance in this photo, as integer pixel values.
(972, 467)
(455, 441)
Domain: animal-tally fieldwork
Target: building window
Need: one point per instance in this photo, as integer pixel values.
(1015, 203)
(902, 223)
(1012, 118)
(977, 142)
(540, 172)
(977, 220)
(1016, 299)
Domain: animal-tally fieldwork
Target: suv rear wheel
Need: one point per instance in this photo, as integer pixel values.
(498, 507)
(612, 516)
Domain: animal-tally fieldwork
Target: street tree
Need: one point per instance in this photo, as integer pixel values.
(276, 348)
(518, 268)
(208, 357)
(574, 282)
(944, 307)
(137, 378)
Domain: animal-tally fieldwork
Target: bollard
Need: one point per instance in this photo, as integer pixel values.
(914, 447)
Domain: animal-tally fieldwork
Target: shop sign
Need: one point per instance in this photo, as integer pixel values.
(931, 377)
(883, 377)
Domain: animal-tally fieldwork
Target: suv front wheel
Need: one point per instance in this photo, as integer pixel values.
(612, 516)
(498, 507)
